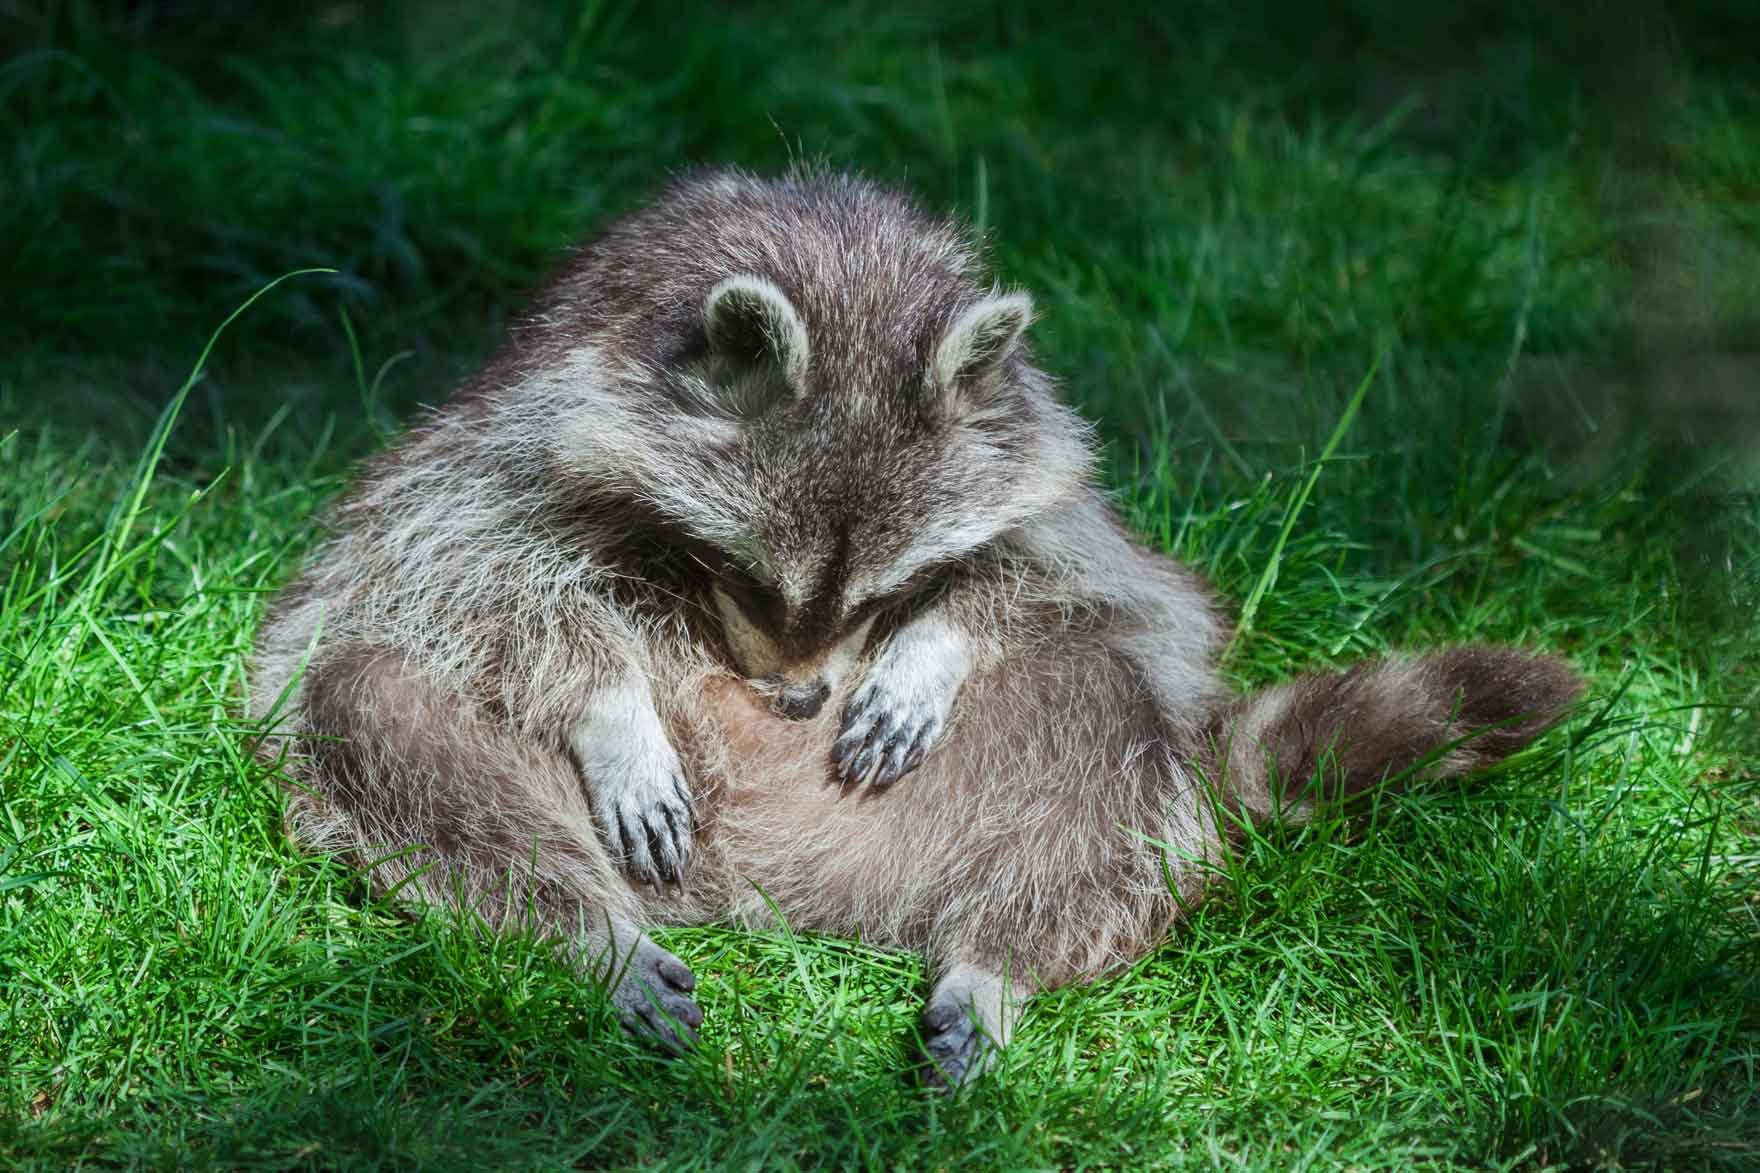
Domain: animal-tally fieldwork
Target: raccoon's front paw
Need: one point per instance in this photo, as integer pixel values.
(637, 785)
(901, 709)
(649, 815)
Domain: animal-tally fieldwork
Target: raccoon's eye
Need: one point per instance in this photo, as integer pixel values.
(913, 590)
(757, 600)
(740, 580)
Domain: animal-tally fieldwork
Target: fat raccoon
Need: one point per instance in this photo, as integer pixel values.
(761, 565)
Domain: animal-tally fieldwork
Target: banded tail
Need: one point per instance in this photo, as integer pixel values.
(1347, 732)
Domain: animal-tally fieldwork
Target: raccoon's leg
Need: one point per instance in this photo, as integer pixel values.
(452, 809)
(1031, 843)
(635, 779)
(1022, 856)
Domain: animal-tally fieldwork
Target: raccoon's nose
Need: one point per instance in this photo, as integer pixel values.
(801, 702)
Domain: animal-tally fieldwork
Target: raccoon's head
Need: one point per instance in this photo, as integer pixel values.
(828, 470)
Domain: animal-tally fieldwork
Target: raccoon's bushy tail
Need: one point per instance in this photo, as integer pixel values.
(1283, 750)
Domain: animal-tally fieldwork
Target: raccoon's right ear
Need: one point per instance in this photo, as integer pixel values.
(749, 318)
(975, 347)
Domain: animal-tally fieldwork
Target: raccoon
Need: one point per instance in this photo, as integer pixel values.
(761, 570)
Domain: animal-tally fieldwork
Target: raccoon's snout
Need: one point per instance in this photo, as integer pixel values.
(802, 702)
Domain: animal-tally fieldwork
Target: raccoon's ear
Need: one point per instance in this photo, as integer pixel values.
(750, 318)
(976, 345)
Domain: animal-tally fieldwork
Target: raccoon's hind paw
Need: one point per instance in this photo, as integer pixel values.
(965, 1025)
(653, 997)
(955, 1048)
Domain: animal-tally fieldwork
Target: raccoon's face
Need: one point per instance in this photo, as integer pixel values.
(830, 553)
(866, 475)
(828, 483)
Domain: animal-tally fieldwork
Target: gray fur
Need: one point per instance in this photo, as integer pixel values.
(761, 564)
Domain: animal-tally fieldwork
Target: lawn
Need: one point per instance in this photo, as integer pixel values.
(1545, 231)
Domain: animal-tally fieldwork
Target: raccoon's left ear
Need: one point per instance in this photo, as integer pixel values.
(976, 345)
(750, 318)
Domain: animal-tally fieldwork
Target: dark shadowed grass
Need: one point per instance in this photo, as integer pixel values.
(1226, 215)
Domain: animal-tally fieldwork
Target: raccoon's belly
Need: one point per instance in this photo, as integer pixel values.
(780, 830)
(772, 776)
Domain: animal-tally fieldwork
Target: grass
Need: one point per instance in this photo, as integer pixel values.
(1546, 230)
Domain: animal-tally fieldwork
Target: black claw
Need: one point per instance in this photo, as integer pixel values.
(904, 752)
(672, 821)
(854, 749)
(657, 853)
(629, 851)
(680, 843)
(881, 728)
(862, 764)
(850, 741)
(642, 872)
(893, 754)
